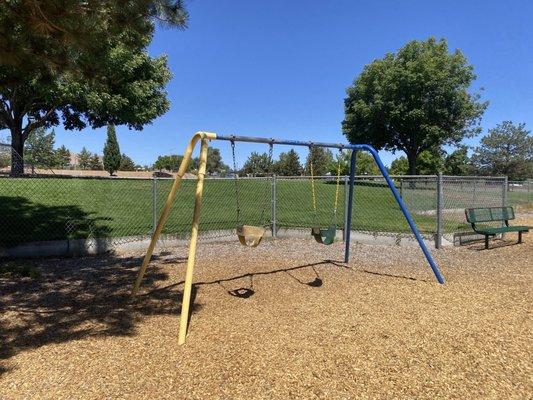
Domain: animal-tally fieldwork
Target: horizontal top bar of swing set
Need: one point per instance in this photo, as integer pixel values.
(251, 139)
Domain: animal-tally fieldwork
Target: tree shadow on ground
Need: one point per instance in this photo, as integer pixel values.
(76, 299)
(25, 221)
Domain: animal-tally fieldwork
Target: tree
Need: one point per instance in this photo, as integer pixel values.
(214, 163)
(507, 149)
(414, 100)
(62, 157)
(111, 151)
(84, 159)
(257, 164)
(430, 162)
(170, 163)
(399, 166)
(458, 162)
(288, 164)
(36, 34)
(321, 159)
(40, 149)
(80, 64)
(364, 164)
(95, 163)
(126, 163)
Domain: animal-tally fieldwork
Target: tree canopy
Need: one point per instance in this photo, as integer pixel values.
(321, 158)
(80, 64)
(288, 164)
(126, 163)
(169, 162)
(414, 100)
(257, 164)
(507, 149)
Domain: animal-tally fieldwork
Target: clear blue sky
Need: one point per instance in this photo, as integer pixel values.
(280, 68)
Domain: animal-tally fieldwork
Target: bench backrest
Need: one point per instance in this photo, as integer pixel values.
(489, 214)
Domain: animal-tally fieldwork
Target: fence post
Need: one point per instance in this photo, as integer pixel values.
(345, 209)
(273, 205)
(401, 188)
(154, 203)
(438, 235)
(505, 189)
(474, 193)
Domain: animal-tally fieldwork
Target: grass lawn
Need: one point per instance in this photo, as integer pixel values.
(36, 209)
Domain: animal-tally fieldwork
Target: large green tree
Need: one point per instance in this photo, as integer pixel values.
(112, 156)
(507, 149)
(80, 64)
(414, 100)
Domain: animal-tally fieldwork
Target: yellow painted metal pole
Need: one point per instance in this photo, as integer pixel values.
(170, 199)
(184, 316)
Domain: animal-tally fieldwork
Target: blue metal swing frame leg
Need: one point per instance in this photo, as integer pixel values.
(400, 202)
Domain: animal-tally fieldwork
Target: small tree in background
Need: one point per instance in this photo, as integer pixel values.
(111, 151)
(288, 164)
(321, 159)
(170, 162)
(62, 157)
(417, 99)
(506, 150)
(458, 162)
(257, 164)
(430, 162)
(40, 148)
(84, 159)
(399, 166)
(126, 163)
(95, 163)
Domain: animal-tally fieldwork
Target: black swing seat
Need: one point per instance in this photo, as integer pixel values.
(324, 236)
(250, 235)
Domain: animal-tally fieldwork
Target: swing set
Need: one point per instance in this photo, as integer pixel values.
(251, 235)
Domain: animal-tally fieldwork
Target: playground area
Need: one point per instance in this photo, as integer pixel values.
(284, 320)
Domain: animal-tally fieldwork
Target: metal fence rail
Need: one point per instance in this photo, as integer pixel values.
(37, 208)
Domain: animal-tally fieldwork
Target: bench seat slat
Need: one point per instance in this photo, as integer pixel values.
(503, 229)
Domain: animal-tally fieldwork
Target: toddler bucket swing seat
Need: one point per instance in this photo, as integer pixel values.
(249, 235)
(327, 235)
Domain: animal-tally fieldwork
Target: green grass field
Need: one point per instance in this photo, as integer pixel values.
(35, 209)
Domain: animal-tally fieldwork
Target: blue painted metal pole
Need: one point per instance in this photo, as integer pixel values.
(406, 214)
(351, 184)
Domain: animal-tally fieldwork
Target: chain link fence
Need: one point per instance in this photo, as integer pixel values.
(40, 206)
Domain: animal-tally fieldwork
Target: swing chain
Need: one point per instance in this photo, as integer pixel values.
(337, 187)
(236, 183)
(311, 170)
(268, 172)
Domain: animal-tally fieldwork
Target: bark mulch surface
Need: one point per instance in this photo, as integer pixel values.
(284, 320)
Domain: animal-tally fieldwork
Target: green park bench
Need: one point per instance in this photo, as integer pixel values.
(477, 216)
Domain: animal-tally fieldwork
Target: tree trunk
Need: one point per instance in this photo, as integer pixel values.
(17, 151)
(411, 159)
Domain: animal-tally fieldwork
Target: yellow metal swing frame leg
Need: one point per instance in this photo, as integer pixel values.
(204, 137)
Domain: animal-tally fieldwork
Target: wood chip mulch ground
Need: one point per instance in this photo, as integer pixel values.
(285, 320)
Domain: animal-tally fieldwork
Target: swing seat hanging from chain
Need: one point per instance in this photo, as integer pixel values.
(249, 235)
(325, 236)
